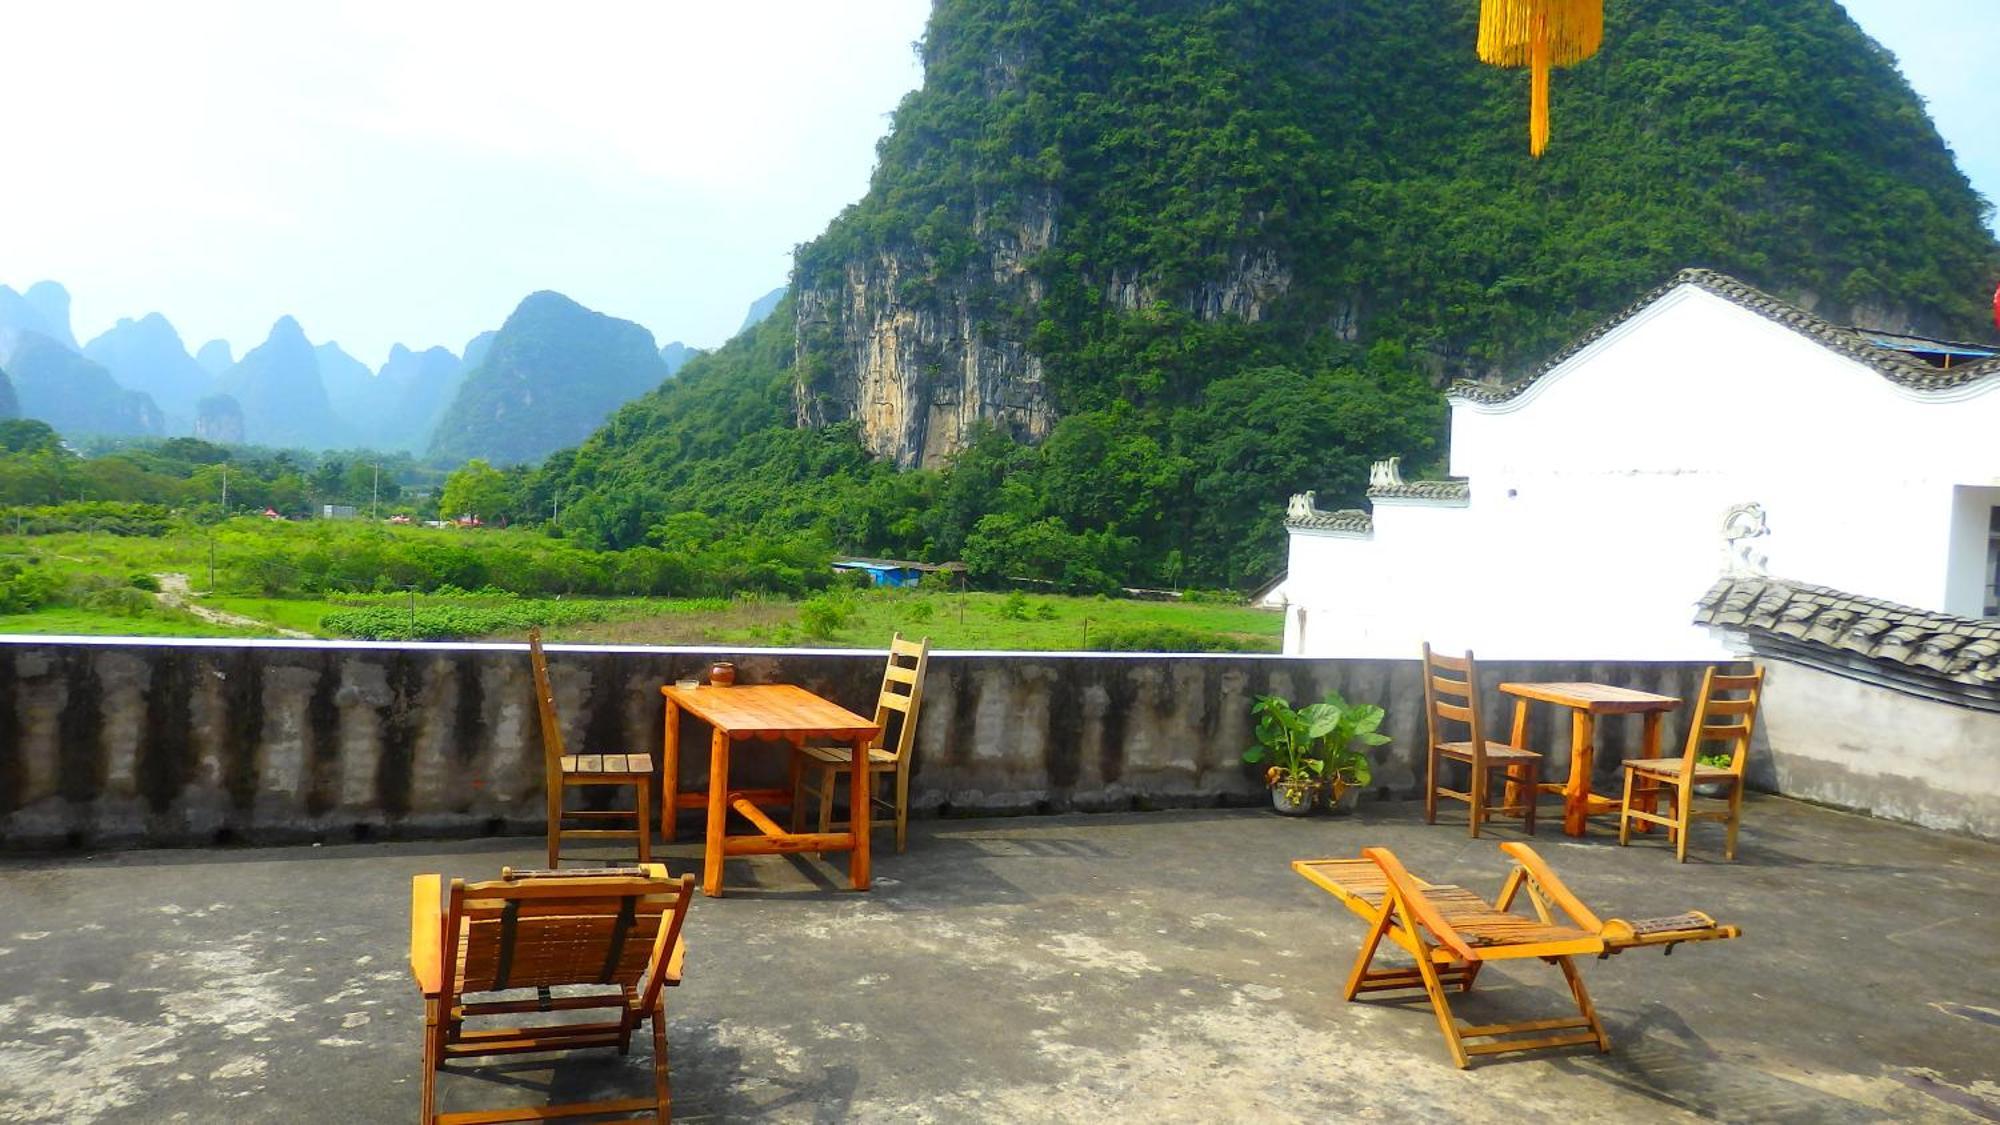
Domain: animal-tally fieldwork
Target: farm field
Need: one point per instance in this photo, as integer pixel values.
(381, 583)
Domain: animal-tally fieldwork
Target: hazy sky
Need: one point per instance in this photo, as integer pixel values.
(408, 171)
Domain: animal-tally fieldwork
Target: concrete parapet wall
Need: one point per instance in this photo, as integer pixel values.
(1865, 746)
(125, 742)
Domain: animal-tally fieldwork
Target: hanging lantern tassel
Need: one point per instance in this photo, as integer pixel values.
(1540, 35)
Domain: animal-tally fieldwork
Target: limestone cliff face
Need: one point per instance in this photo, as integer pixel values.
(918, 361)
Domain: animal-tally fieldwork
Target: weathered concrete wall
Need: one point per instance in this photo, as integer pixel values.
(104, 743)
(1857, 745)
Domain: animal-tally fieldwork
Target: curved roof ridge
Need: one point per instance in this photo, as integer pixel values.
(1894, 365)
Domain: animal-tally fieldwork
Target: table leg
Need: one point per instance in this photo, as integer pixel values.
(860, 806)
(1518, 740)
(1576, 795)
(1647, 792)
(670, 773)
(718, 814)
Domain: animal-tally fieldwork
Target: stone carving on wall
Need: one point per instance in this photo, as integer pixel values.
(1302, 506)
(1743, 526)
(1386, 474)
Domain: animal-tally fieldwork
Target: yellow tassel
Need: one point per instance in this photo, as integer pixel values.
(1540, 35)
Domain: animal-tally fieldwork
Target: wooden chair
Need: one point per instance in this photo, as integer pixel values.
(1452, 933)
(902, 693)
(1451, 695)
(615, 929)
(564, 771)
(1647, 778)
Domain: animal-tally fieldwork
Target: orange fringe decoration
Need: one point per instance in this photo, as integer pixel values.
(1540, 35)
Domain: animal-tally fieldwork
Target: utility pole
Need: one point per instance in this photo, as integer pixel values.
(225, 490)
(211, 561)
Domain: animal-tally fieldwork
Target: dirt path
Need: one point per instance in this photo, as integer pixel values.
(175, 593)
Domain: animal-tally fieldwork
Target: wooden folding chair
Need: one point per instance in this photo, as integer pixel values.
(1452, 933)
(1733, 699)
(1451, 695)
(563, 771)
(901, 694)
(615, 929)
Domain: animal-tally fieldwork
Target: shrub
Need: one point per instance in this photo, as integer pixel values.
(1015, 607)
(1170, 638)
(144, 582)
(823, 615)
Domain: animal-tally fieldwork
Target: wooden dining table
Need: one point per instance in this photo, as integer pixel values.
(773, 713)
(1585, 702)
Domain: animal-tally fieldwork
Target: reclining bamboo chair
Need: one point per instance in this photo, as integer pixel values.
(1677, 777)
(902, 693)
(563, 771)
(1452, 933)
(1451, 695)
(615, 927)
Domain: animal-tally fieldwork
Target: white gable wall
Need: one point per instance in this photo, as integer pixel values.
(1598, 496)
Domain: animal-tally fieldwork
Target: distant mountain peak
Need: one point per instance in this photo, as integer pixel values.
(761, 308)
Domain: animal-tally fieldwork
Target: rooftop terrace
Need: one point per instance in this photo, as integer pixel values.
(1158, 966)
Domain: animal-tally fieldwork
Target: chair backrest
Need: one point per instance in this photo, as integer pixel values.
(542, 929)
(545, 704)
(1725, 715)
(1451, 695)
(902, 693)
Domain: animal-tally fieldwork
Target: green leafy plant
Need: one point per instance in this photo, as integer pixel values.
(1314, 743)
(1716, 761)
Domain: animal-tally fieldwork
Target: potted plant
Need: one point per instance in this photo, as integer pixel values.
(1347, 768)
(1310, 745)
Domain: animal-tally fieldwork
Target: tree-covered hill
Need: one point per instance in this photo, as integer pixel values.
(553, 373)
(1131, 271)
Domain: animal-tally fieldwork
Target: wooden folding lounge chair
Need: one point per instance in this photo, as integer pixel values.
(1646, 778)
(1452, 933)
(1451, 695)
(618, 929)
(901, 694)
(563, 771)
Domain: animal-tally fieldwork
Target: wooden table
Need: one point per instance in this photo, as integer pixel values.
(1586, 702)
(772, 712)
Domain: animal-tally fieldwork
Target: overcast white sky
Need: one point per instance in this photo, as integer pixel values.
(408, 171)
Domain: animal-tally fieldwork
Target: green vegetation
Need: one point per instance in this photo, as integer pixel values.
(1178, 148)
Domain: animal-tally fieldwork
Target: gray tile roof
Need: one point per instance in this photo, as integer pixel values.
(1346, 519)
(1422, 490)
(1897, 367)
(1955, 653)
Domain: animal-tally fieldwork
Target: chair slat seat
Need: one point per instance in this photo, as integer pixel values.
(605, 764)
(843, 755)
(1495, 751)
(1674, 767)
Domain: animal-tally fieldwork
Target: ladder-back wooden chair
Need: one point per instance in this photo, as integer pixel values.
(563, 771)
(1724, 716)
(1451, 696)
(1452, 933)
(895, 706)
(615, 929)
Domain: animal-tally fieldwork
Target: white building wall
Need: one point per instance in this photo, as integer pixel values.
(1597, 497)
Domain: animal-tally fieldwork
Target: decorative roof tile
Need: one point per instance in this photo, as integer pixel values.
(1898, 367)
(1951, 652)
(1455, 490)
(1346, 519)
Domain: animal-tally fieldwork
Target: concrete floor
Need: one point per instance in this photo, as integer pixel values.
(1163, 966)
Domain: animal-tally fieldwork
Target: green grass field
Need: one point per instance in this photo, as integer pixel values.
(845, 618)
